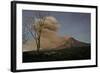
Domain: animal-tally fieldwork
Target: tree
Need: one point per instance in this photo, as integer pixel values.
(35, 29)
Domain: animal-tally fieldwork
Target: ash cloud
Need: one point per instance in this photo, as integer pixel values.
(48, 22)
(49, 37)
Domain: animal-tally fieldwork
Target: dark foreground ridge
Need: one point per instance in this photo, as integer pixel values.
(74, 53)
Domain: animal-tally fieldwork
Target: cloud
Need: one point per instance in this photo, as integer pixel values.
(47, 22)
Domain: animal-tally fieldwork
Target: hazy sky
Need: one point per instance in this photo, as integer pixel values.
(72, 24)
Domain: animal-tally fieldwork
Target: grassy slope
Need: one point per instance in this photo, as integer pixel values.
(79, 53)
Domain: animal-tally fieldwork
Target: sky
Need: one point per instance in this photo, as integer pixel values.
(77, 25)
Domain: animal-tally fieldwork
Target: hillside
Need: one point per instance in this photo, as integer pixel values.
(75, 53)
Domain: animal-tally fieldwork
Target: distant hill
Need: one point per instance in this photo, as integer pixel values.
(71, 42)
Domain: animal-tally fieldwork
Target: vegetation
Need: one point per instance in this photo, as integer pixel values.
(75, 53)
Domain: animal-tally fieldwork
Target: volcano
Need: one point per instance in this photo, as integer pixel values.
(71, 42)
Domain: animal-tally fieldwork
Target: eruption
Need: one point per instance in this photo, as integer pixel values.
(49, 39)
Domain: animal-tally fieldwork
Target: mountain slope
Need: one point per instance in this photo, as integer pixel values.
(71, 42)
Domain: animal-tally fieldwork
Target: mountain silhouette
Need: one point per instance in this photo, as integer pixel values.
(72, 42)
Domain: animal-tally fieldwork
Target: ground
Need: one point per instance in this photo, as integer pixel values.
(75, 53)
